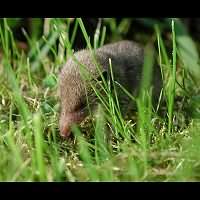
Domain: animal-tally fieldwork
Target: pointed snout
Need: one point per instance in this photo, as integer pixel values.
(67, 120)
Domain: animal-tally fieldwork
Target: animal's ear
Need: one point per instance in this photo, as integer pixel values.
(105, 76)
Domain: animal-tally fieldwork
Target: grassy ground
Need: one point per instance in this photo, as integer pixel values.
(159, 144)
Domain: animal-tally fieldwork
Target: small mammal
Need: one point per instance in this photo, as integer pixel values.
(127, 61)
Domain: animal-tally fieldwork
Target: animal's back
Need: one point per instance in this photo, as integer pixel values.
(127, 61)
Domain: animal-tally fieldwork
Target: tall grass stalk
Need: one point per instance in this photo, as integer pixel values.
(39, 146)
(144, 105)
(171, 93)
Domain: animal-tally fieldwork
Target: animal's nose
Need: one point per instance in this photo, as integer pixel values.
(66, 122)
(65, 131)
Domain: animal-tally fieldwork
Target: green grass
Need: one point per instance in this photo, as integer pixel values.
(159, 144)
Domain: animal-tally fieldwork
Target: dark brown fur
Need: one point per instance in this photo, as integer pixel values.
(127, 61)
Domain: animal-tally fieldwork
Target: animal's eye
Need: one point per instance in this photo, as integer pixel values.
(80, 106)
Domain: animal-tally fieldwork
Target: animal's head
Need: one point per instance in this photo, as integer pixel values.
(75, 91)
